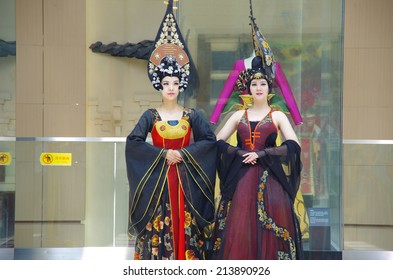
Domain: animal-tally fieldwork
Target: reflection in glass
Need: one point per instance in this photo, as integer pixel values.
(7, 124)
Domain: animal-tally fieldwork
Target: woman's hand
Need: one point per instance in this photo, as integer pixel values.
(173, 157)
(250, 158)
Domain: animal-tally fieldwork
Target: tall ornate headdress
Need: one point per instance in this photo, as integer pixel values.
(263, 65)
(170, 56)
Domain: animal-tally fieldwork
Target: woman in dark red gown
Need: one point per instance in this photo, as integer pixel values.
(258, 181)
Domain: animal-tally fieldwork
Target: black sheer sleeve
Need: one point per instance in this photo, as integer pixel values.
(230, 164)
(284, 162)
(145, 165)
(273, 151)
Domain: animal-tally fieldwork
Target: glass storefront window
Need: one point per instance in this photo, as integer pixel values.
(7, 125)
(306, 38)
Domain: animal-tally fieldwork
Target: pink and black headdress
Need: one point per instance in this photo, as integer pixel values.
(263, 66)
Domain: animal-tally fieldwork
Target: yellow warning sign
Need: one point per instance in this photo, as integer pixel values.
(5, 158)
(56, 159)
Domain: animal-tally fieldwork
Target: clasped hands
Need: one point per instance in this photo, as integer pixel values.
(173, 157)
(250, 157)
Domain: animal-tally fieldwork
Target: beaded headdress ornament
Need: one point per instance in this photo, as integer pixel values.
(170, 56)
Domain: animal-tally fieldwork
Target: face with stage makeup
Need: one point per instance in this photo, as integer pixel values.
(170, 87)
(259, 88)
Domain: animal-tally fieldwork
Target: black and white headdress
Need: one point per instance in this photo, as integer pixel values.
(170, 56)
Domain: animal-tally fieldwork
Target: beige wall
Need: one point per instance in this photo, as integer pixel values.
(368, 68)
(368, 114)
(51, 68)
(118, 89)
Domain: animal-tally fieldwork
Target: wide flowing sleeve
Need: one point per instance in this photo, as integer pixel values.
(284, 162)
(229, 169)
(146, 171)
(198, 170)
